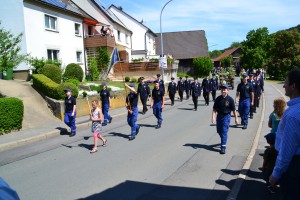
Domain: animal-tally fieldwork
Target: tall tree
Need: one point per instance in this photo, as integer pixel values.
(226, 61)
(215, 53)
(10, 56)
(285, 55)
(256, 48)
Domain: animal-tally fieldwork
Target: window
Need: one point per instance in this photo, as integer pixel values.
(53, 54)
(90, 30)
(77, 29)
(119, 36)
(127, 39)
(50, 22)
(78, 56)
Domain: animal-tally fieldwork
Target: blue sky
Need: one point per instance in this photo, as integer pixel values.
(223, 21)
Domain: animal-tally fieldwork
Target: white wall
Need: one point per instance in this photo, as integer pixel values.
(150, 44)
(38, 39)
(138, 36)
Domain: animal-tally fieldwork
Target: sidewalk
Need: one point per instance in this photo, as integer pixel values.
(254, 186)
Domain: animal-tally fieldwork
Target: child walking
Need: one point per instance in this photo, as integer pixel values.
(97, 117)
(275, 117)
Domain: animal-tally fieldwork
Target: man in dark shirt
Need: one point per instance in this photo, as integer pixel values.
(157, 103)
(187, 87)
(257, 95)
(144, 91)
(253, 83)
(70, 111)
(206, 87)
(172, 90)
(132, 107)
(161, 82)
(106, 104)
(244, 98)
(180, 88)
(195, 92)
(223, 105)
(214, 86)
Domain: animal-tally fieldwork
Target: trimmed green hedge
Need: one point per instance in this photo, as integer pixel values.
(73, 71)
(11, 114)
(52, 89)
(61, 87)
(45, 85)
(53, 72)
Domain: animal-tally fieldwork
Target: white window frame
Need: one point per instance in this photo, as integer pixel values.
(52, 54)
(79, 27)
(49, 22)
(80, 59)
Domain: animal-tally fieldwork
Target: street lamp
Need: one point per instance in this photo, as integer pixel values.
(161, 38)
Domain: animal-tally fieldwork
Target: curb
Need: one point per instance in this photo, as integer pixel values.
(43, 136)
(243, 174)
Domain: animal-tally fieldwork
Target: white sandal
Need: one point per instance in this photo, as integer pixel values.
(94, 151)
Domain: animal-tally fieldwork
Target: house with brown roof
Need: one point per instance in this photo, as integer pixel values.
(183, 46)
(234, 52)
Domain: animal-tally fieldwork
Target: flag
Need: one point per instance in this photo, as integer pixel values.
(114, 58)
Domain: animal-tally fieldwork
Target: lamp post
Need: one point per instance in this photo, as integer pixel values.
(161, 38)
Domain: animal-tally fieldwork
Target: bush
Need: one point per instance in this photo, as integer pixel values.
(93, 69)
(127, 79)
(73, 71)
(133, 80)
(11, 114)
(38, 64)
(74, 81)
(53, 72)
(45, 85)
(61, 87)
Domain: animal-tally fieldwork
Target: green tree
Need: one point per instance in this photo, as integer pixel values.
(38, 64)
(256, 48)
(226, 61)
(93, 68)
(285, 55)
(10, 56)
(103, 59)
(215, 53)
(202, 66)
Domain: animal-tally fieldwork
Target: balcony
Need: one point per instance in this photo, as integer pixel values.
(99, 41)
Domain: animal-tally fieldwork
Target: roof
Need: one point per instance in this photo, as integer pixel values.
(138, 22)
(184, 44)
(67, 6)
(226, 53)
(138, 52)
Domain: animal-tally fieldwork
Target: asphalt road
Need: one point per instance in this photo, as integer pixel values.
(178, 161)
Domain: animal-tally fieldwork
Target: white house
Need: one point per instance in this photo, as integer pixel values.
(114, 29)
(52, 29)
(143, 39)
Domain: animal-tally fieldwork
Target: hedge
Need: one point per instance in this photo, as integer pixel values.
(53, 72)
(52, 89)
(73, 71)
(45, 85)
(61, 87)
(11, 114)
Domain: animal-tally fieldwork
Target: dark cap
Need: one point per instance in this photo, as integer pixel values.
(186, 76)
(172, 78)
(195, 78)
(131, 85)
(158, 75)
(251, 74)
(225, 86)
(180, 78)
(67, 90)
(142, 78)
(103, 84)
(156, 81)
(245, 75)
(270, 138)
(213, 74)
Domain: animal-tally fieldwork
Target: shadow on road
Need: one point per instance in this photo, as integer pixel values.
(114, 134)
(133, 190)
(203, 146)
(63, 131)
(147, 125)
(185, 108)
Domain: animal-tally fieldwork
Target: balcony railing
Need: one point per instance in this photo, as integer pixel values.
(99, 41)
